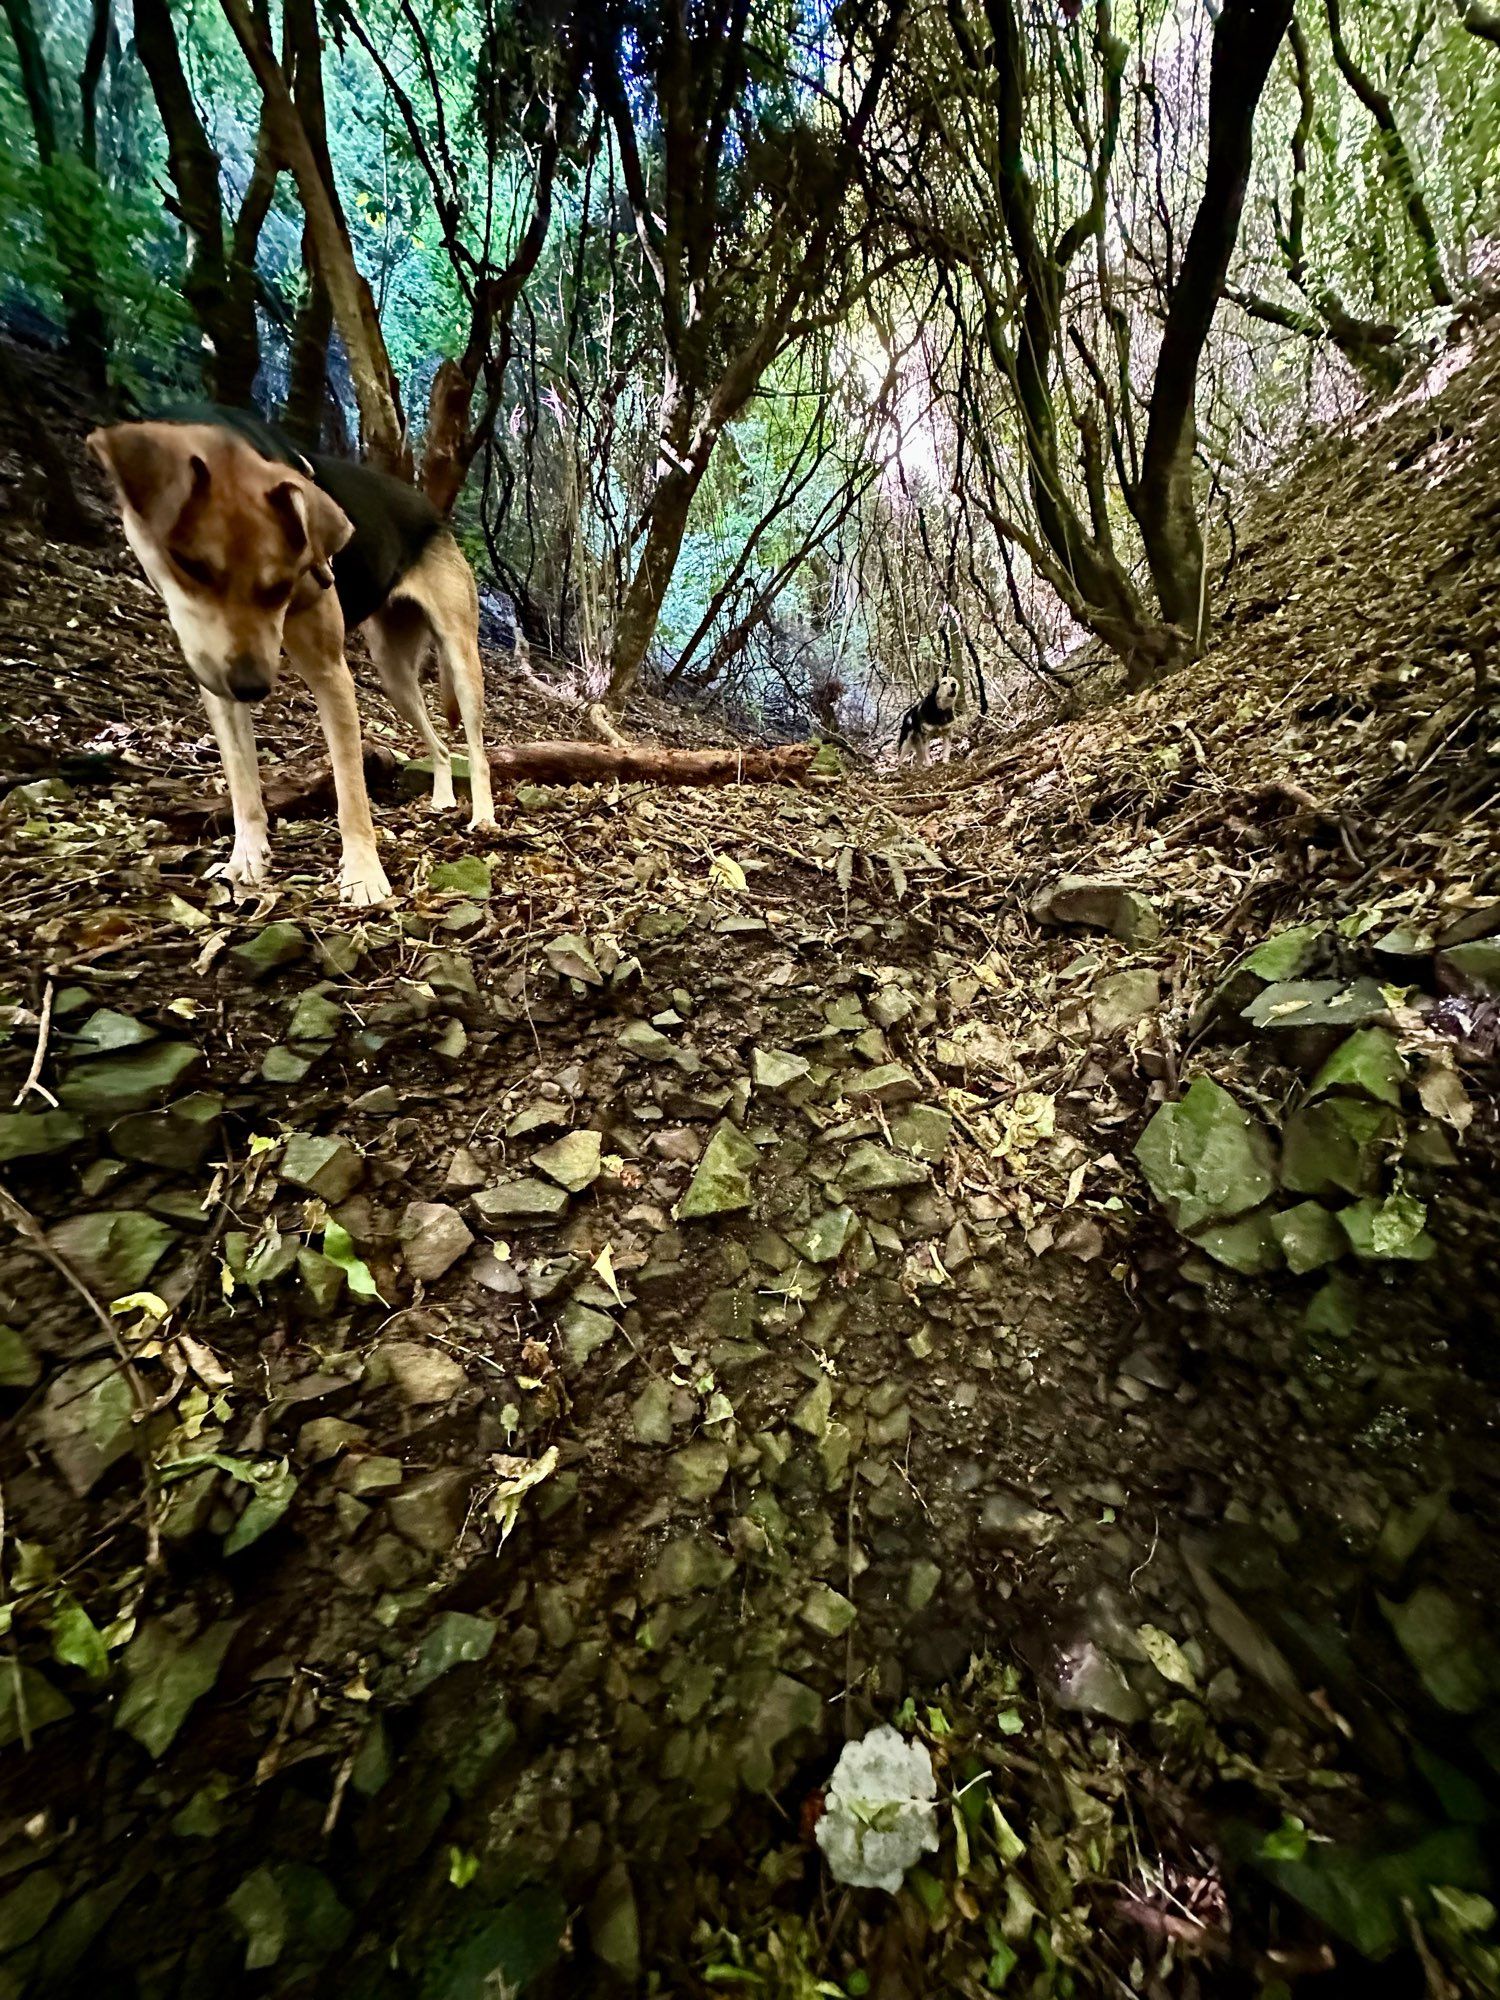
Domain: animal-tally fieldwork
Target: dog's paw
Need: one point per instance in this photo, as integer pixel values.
(363, 883)
(248, 866)
(484, 823)
(443, 799)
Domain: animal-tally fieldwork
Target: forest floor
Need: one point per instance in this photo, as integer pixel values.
(495, 1392)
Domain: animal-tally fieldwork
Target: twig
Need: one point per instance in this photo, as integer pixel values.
(44, 1029)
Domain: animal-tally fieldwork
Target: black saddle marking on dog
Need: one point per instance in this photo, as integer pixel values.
(392, 523)
(925, 717)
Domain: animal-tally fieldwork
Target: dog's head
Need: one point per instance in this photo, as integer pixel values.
(945, 693)
(230, 540)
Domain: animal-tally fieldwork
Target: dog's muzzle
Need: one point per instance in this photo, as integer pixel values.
(247, 680)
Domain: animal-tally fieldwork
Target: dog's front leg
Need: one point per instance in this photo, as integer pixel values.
(315, 647)
(234, 732)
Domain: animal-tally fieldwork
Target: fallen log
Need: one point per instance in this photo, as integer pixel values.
(304, 790)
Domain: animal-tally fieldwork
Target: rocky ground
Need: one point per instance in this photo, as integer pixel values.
(496, 1392)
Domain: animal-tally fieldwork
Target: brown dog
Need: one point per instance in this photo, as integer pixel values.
(254, 548)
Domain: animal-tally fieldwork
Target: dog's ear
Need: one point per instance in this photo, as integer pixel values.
(153, 472)
(312, 521)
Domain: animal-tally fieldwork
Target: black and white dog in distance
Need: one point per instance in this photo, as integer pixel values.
(930, 721)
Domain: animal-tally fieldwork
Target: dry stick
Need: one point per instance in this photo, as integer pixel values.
(44, 1027)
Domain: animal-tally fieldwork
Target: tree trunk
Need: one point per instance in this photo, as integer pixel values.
(88, 83)
(1245, 41)
(453, 440)
(64, 514)
(1402, 172)
(79, 284)
(640, 614)
(352, 301)
(220, 289)
(307, 385)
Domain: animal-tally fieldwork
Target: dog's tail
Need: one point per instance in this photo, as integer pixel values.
(445, 692)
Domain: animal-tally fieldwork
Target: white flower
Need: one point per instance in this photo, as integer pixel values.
(879, 1817)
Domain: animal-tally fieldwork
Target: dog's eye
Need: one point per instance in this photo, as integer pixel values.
(194, 570)
(274, 595)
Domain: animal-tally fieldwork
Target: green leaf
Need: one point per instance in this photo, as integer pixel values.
(1205, 1158)
(257, 1907)
(338, 1248)
(506, 1952)
(1337, 1145)
(456, 1637)
(1359, 1893)
(77, 1640)
(469, 876)
(1439, 1639)
(1309, 1237)
(1393, 1228)
(1287, 1843)
(1367, 1061)
(1249, 1244)
(166, 1675)
(25, 1693)
(274, 1486)
(27, 1135)
(19, 1364)
(114, 1251)
(1168, 1658)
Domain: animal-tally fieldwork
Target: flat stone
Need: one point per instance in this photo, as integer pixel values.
(1123, 999)
(1009, 1517)
(871, 1168)
(826, 1612)
(572, 1161)
(418, 1373)
(433, 1238)
(584, 1332)
(777, 1069)
(525, 1201)
(825, 1236)
(699, 1469)
(429, 1510)
(923, 1129)
(329, 1167)
(689, 1564)
(722, 1182)
(890, 1006)
(1094, 902)
(651, 1413)
(888, 1083)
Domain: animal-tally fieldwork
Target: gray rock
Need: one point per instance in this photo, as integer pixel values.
(525, 1201)
(419, 1374)
(1010, 1517)
(433, 1237)
(1094, 902)
(1123, 999)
